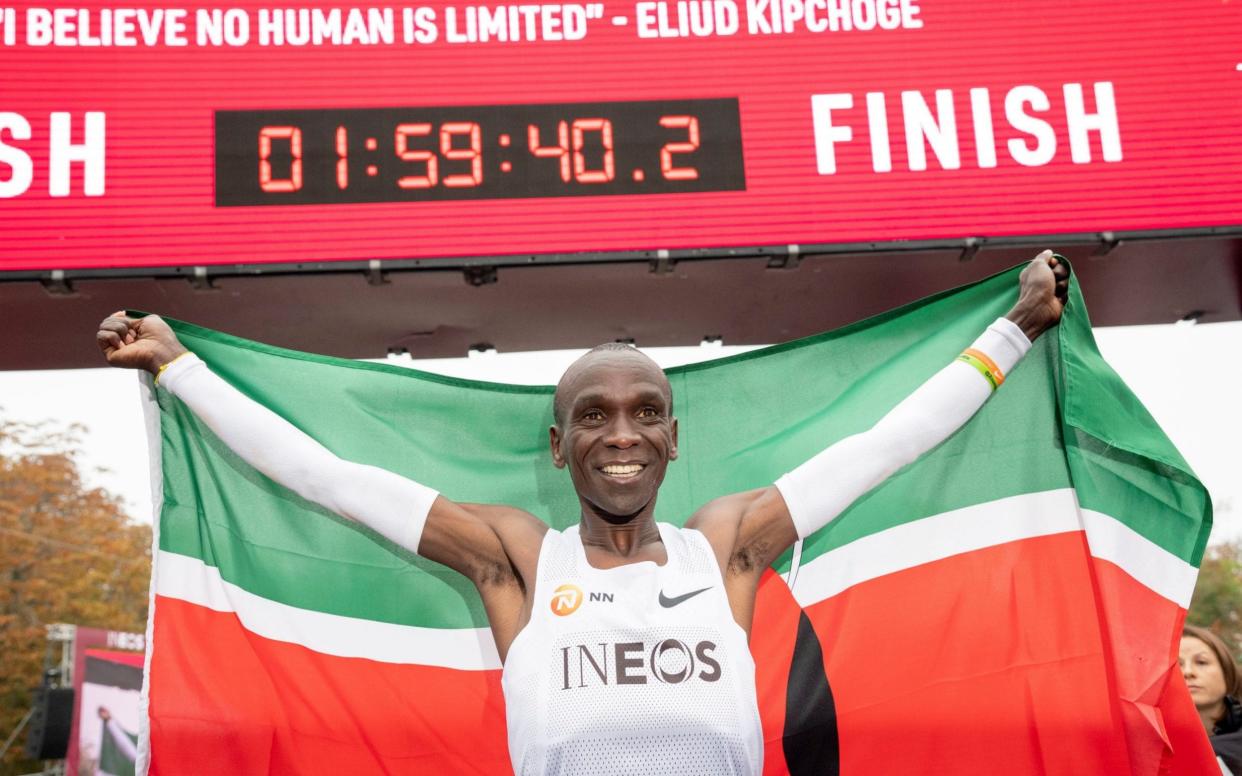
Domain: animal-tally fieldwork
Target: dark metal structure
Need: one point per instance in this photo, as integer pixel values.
(438, 308)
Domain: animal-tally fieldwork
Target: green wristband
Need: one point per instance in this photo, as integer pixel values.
(982, 367)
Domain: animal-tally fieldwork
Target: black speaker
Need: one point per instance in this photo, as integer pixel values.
(48, 737)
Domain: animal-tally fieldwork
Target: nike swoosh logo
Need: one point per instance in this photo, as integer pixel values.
(667, 602)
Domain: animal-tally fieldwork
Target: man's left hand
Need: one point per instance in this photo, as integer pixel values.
(1043, 289)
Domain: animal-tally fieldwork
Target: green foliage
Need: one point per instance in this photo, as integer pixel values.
(67, 554)
(1217, 602)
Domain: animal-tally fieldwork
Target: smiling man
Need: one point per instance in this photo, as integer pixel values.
(624, 640)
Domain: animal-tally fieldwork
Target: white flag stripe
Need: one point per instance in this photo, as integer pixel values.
(895, 549)
(1158, 570)
(189, 579)
(935, 538)
(987, 525)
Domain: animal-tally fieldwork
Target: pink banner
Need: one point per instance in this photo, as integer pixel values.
(106, 666)
(245, 134)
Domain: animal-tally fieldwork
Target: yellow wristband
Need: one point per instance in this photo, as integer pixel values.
(160, 373)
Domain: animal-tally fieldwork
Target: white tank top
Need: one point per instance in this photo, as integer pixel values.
(635, 670)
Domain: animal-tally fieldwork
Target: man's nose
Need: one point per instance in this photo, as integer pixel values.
(623, 433)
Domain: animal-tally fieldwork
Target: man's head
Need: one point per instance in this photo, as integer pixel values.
(614, 429)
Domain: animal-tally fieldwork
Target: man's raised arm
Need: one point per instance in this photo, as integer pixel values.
(758, 526)
(402, 510)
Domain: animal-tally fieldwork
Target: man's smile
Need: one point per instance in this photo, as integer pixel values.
(622, 471)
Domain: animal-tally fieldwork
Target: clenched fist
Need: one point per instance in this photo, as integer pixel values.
(137, 343)
(1042, 292)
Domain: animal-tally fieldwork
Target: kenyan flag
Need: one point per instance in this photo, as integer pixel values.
(1010, 603)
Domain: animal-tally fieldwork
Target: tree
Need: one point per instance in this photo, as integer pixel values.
(1217, 602)
(67, 554)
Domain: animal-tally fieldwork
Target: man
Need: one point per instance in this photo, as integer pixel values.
(660, 680)
(117, 752)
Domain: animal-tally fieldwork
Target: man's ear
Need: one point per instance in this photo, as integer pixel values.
(672, 453)
(554, 439)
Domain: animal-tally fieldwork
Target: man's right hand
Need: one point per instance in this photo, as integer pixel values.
(138, 343)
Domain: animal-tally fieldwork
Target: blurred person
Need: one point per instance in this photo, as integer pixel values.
(118, 750)
(1215, 684)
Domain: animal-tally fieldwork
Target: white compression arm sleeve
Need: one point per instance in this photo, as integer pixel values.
(825, 486)
(391, 505)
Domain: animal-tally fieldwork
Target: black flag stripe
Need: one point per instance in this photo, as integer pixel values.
(812, 747)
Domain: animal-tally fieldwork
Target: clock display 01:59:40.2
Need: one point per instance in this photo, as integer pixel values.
(313, 157)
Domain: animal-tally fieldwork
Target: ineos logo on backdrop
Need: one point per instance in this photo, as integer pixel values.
(566, 599)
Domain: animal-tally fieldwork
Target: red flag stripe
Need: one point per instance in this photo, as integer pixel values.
(224, 700)
(1019, 646)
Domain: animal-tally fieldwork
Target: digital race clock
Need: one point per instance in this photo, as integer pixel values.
(304, 157)
(863, 127)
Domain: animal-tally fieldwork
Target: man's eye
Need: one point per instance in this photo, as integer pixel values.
(648, 412)
(592, 415)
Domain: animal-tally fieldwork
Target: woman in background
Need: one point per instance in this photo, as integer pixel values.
(1215, 684)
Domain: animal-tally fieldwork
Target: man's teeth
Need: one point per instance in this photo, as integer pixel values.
(623, 471)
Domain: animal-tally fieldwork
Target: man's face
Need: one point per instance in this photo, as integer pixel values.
(616, 432)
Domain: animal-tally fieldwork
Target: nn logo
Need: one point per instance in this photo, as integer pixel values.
(669, 661)
(566, 599)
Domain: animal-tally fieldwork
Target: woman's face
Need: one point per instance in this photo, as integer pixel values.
(1202, 672)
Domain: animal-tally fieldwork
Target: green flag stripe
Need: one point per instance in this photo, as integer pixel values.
(1122, 462)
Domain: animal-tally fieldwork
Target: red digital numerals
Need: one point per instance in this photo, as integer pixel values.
(474, 154)
(576, 157)
(462, 142)
(432, 173)
(266, 181)
(559, 151)
(691, 125)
